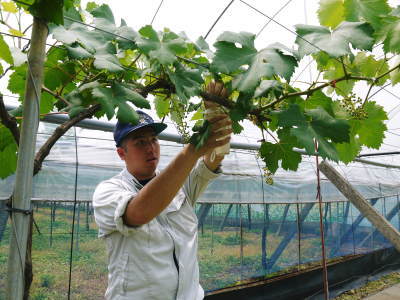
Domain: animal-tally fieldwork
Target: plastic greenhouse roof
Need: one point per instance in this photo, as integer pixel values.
(97, 159)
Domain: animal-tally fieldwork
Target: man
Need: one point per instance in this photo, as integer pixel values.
(147, 217)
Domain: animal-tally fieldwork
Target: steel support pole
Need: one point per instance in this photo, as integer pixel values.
(24, 173)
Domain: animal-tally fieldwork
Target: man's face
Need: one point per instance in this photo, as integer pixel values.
(141, 152)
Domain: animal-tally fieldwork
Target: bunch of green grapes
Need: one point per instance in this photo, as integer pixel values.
(268, 176)
(354, 106)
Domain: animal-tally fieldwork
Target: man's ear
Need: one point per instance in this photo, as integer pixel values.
(121, 153)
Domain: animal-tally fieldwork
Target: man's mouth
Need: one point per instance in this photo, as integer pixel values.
(152, 159)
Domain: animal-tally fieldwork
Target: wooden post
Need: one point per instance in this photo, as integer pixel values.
(384, 227)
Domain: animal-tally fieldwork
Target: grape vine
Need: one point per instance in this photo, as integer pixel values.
(99, 68)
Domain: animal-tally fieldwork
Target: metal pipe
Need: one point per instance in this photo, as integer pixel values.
(109, 127)
(24, 172)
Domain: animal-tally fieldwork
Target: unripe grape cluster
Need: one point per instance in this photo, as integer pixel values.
(354, 106)
(268, 176)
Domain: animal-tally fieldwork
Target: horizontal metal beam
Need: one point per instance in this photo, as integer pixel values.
(109, 127)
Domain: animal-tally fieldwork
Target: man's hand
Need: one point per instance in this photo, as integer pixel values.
(221, 125)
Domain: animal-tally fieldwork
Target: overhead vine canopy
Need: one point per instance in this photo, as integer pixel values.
(101, 68)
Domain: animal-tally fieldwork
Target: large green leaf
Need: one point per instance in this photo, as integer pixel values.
(368, 66)
(49, 10)
(292, 116)
(246, 39)
(327, 126)
(333, 70)
(8, 153)
(319, 99)
(105, 58)
(5, 53)
(229, 57)
(91, 40)
(76, 51)
(161, 104)
(312, 39)
(306, 135)
(59, 75)
(330, 12)
(187, 81)
(267, 62)
(366, 10)
(127, 114)
(103, 12)
(349, 151)
(318, 125)
(267, 87)
(105, 97)
(282, 151)
(162, 47)
(16, 83)
(127, 94)
(390, 34)
(371, 131)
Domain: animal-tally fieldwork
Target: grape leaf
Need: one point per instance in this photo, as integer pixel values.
(349, 151)
(126, 94)
(16, 83)
(162, 106)
(15, 32)
(201, 134)
(269, 87)
(320, 125)
(5, 52)
(126, 114)
(77, 51)
(319, 99)
(305, 136)
(267, 62)
(9, 7)
(327, 126)
(370, 67)
(292, 116)
(229, 57)
(330, 12)
(390, 34)
(370, 11)
(58, 76)
(187, 81)
(49, 10)
(163, 50)
(90, 39)
(371, 131)
(105, 58)
(335, 70)
(8, 153)
(103, 12)
(282, 151)
(46, 103)
(106, 98)
(395, 75)
(312, 39)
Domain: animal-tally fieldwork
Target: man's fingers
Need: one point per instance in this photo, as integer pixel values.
(218, 87)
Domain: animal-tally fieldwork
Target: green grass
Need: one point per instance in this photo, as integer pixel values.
(220, 260)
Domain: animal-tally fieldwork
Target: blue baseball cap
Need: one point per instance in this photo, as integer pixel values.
(123, 129)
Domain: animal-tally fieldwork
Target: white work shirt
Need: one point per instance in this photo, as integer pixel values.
(140, 259)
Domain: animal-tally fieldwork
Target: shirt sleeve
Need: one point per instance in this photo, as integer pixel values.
(109, 204)
(197, 181)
